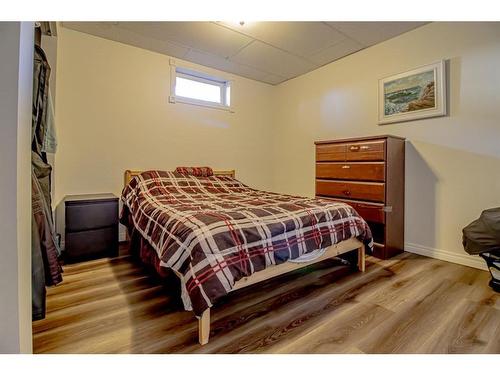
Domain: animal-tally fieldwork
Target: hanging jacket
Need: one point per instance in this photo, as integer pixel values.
(49, 145)
(46, 269)
(41, 75)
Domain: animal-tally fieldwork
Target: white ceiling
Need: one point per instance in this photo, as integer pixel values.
(270, 52)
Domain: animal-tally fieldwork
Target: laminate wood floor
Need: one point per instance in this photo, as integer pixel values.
(408, 304)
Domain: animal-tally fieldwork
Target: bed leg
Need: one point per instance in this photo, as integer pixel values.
(204, 327)
(361, 258)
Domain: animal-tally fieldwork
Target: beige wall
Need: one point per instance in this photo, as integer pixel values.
(16, 80)
(113, 114)
(452, 163)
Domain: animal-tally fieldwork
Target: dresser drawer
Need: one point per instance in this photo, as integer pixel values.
(372, 212)
(359, 151)
(84, 216)
(92, 242)
(370, 191)
(331, 152)
(364, 171)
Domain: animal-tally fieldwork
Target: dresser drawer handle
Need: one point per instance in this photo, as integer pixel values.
(346, 167)
(347, 192)
(354, 148)
(365, 147)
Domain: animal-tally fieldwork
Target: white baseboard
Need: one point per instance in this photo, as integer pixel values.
(449, 256)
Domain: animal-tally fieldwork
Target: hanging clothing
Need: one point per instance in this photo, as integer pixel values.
(46, 269)
(49, 145)
(43, 219)
(42, 171)
(38, 291)
(41, 75)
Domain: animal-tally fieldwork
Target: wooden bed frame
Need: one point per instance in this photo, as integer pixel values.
(343, 247)
(130, 174)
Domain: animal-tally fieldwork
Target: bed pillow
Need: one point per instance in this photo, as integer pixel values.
(195, 171)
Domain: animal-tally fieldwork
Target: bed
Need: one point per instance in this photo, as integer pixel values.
(219, 235)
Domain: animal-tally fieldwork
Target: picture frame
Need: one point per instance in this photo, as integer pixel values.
(413, 95)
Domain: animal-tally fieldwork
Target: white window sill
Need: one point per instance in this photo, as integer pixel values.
(200, 103)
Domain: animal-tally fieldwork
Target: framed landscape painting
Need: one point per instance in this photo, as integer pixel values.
(413, 95)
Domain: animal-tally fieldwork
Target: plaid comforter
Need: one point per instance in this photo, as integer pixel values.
(212, 231)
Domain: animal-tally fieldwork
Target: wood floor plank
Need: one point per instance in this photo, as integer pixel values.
(79, 313)
(85, 281)
(407, 304)
(94, 265)
(307, 308)
(338, 331)
(470, 329)
(485, 296)
(410, 327)
(406, 283)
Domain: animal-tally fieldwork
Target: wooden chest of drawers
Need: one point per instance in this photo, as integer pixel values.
(368, 174)
(91, 227)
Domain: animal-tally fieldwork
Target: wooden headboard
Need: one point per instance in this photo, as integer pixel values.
(129, 174)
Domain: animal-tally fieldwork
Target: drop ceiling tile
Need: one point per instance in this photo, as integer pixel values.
(369, 33)
(341, 49)
(229, 66)
(210, 43)
(273, 79)
(109, 30)
(203, 36)
(272, 60)
(300, 38)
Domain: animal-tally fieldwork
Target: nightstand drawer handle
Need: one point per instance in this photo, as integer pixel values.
(354, 148)
(346, 167)
(347, 192)
(365, 147)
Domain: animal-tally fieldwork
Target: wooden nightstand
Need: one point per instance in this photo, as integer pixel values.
(91, 227)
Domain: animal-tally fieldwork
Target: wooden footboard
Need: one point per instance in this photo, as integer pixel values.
(331, 252)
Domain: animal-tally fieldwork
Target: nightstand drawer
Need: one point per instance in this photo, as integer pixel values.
(94, 215)
(87, 244)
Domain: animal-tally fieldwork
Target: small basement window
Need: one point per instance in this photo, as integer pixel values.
(200, 89)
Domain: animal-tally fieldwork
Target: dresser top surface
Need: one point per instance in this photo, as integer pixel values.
(83, 198)
(357, 139)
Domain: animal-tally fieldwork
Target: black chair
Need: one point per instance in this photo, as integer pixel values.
(482, 237)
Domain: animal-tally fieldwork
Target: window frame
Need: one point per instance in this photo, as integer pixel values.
(199, 76)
